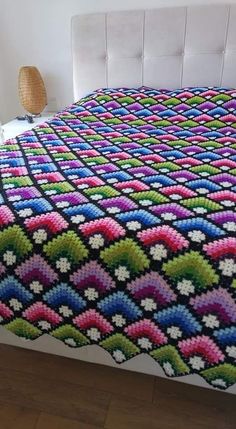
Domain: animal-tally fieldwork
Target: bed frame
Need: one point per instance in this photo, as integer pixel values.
(171, 48)
(162, 48)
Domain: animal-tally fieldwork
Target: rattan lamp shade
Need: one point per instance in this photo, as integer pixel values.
(32, 91)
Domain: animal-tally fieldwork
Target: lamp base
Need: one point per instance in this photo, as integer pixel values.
(29, 118)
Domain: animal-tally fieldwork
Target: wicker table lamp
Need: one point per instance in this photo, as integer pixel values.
(32, 91)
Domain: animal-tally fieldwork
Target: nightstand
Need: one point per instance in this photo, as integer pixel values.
(16, 127)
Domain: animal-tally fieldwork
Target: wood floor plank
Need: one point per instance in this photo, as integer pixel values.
(125, 383)
(210, 409)
(68, 394)
(48, 421)
(176, 388)
(132, 384)
(59, 398)
(14, 417)
(130, 414)
(207, 409)
(197, 415)
(175, 414)
(172, 389)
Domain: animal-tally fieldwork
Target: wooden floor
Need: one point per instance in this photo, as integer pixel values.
(39, 391)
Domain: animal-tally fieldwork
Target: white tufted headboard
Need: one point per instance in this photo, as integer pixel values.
(161, 48)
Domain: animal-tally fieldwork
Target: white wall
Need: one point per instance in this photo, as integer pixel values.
(37, 32)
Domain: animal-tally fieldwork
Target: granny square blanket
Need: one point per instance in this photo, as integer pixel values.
(117, 228)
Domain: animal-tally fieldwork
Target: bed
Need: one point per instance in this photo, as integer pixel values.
(117, 216)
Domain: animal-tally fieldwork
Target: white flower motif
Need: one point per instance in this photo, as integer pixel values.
(197, 362)
(185, 287)
(119, 320)
(62, 204)
(44, 325)
(78, 219)
(9, 257)
(71, 342)
(158, 252)
(226, 184)
(231, 350)
(219, 382)
(133, 225)
(91, 294)
(65, 311)
(211, 321)
(96, 197)
(122, 273)
(63, 265)
(127, 190)
(15, 198)
(227, 203)
(145, 203)
(202, 190)
(36, 287)
(113, 210)
(25, 212)
(197, 236)
(174, 332)
(94, 334)
(83, 186)
(10, 186)
(168, 216)
(230, 226)
(228, 267)
(145, 343)
(176, 197)
(119, 356)
(148, 304)
(96, 241)
(51, 192)
(168, 369)
(200, 210)
(112, 180)
(156, 185)
(40, 236)
(15, 304)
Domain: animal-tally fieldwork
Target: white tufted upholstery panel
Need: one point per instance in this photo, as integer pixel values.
(162, 48)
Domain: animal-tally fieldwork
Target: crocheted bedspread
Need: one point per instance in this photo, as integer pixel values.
(117, 228)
